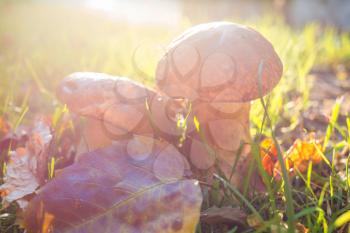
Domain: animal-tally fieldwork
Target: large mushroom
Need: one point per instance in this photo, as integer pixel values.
(216, 67)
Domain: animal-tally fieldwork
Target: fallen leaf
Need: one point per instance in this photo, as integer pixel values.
(4, 127)
(300, 228)
(254, 221)
(19, 179)
(305, 151)
(37, 145)
(268, 153)
(108, 190)
(268, 147)
(282, 227)
(227, 214)
(25, 171)
(12, 140)
(268, 164)
(299, 155)
(48, 218)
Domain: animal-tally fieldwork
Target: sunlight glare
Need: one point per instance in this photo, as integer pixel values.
(164, 12)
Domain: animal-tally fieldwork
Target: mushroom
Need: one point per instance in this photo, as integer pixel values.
(117, 109)
(212, 70)
(216, 67)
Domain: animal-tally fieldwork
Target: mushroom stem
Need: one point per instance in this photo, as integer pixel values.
(224, 135)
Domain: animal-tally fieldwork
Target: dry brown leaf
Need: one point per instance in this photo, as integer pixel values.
(112, 190)
(227, 214)
(27, 165)
(19, 179)
(254, 221)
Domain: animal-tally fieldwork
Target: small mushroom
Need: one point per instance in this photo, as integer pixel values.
(117, 108)
(216, 67)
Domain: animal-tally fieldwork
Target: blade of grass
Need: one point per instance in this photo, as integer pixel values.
(307, 181)
(7, 101)
(331, 177)
(308, 175)
(342, 219)
(256, 153)
(320, 218)
(4, 168)
(196, 123)
(238, 194)
(340, 130)
(325, 159)
(57, 115)
(307, 211)
(348, 126)
(51, 167)
(21, 117)
(266, 224)
(34, 75)
(233, 230)
(332, 121)
(247, 178)
(237, 155)
(347, 172)
(287, 186)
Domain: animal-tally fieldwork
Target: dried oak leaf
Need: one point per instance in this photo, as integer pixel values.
(224, 215)
(19, 178)
(4, 127)
(115, 190)
(299, 155)
(25, 169)
(10, 138)
(282, 227)
(268, 153)
(38, 146)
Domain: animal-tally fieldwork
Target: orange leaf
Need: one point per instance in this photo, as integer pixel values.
(4, 127)
(299, 155)
(267, 146)
(268, 164)
(268, 153)
(47, 223)
(300, 228)
(302, 152)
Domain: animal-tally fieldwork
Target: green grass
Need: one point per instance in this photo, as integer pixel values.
(38, 49)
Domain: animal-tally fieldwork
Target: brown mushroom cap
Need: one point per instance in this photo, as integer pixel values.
(90, 94)
(219, 62)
